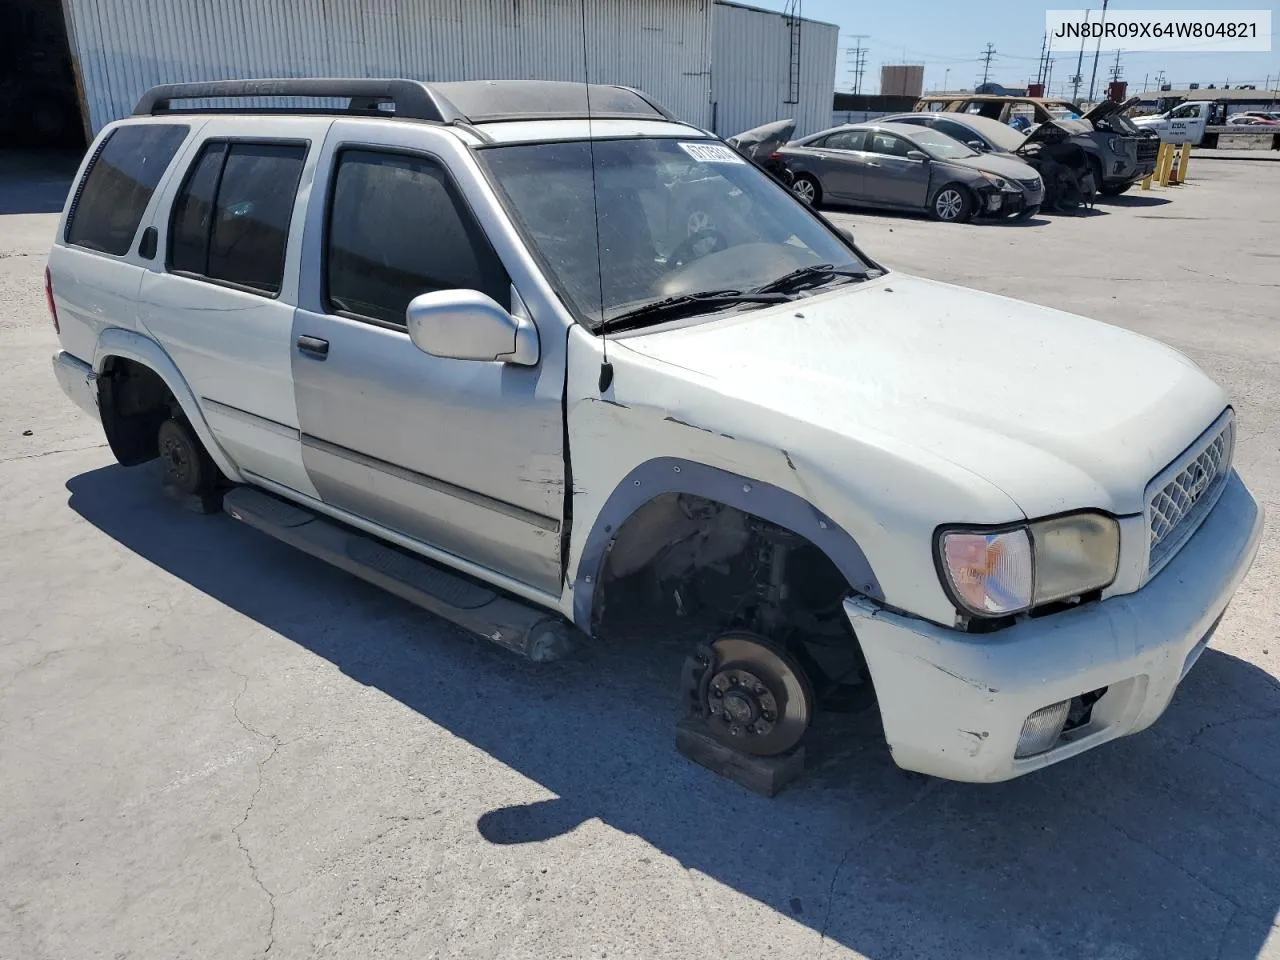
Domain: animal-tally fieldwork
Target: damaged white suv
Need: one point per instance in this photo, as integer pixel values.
(537, 356)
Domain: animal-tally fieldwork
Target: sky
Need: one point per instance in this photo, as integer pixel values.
(948, 36)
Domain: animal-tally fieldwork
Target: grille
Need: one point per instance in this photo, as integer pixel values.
(1032, 184)
(1179, 504)
(1148, 148)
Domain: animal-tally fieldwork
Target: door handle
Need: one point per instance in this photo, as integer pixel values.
(313, 347)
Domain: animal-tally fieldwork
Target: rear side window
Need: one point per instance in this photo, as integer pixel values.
(956, 131)
(847, 140)
(231, 218)
(114, 194)
(397, 229)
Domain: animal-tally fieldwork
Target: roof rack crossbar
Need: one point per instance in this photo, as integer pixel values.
(411, 99)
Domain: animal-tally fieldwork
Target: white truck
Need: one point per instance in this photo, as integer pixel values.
(1201, 123)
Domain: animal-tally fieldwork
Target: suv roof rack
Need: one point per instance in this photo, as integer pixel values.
(463, 101)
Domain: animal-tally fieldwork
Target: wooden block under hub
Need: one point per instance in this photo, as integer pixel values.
(763, 775)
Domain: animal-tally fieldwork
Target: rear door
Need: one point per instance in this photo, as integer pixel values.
(219, 295)
(893, 177)
(463, 456)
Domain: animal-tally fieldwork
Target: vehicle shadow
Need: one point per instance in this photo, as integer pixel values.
(1134, 200)
(1036, 221)
(1162, 845)
(36, 181)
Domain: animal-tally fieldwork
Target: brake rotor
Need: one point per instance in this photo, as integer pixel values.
(758, 699)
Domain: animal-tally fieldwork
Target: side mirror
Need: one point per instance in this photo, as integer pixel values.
(468, 325)
(846, 231)
(917, 155)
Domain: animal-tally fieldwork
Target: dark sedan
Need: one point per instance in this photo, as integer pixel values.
(904, 167)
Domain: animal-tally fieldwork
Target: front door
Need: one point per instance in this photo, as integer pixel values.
(892, 176)
(461, 455)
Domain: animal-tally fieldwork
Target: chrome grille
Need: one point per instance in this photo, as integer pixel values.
(1178, 502)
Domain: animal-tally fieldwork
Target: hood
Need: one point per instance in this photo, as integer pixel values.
(1108, 107)
(1056, 411)
(1001, 164)
(761, 141)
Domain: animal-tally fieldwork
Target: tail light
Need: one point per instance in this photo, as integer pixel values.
(775, 156)
(48, 296)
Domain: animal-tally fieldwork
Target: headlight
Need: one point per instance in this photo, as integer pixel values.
(999, 572)
(1000, 182)
(1115, 144)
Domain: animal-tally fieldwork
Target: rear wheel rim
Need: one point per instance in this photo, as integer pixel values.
(949, 204)
(804, 190)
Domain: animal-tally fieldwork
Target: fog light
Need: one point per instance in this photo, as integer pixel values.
(1042, 730)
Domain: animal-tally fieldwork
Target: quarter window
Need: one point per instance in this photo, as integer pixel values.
(397, 229)
(116, 190)
(231, 219)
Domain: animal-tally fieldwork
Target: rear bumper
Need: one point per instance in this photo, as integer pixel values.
(953, 704)
(78, 381)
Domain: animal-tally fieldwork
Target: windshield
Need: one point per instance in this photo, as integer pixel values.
(676, 218)
(940, 146)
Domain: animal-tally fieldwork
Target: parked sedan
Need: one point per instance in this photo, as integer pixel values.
(905, 167)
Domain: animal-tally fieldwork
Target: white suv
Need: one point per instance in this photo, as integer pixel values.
(610, 374)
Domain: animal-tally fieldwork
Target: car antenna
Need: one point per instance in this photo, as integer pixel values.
(606, 368)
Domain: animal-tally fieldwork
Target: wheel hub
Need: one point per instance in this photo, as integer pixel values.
(757, 697)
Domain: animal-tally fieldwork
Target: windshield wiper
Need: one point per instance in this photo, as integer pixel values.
(685, 305)
(810, 276)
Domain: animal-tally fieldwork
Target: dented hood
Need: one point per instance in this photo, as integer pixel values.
(1057, 411)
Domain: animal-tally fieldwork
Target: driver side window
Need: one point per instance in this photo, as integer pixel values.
(1187, 112)
(398, 228)
(889, 145)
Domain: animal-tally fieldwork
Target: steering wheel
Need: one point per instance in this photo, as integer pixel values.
(697, 245)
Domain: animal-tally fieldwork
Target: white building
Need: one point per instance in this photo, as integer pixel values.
(714, 64)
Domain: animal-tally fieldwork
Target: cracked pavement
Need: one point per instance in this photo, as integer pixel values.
(212, 746)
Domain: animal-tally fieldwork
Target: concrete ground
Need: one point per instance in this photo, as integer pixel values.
(214, 747)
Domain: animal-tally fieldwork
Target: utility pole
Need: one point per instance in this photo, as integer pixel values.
(1117, 71)
(1096, 51)
(986, 62)
(1044, 44)
(1079, 78)
(857, 60)
(946, 80)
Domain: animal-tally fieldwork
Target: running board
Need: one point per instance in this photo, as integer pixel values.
(475, 607)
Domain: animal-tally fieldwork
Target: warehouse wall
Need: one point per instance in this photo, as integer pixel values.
(125, 46)
(751, 64)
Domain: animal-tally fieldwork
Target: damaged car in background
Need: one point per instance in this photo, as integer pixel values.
(1010, 530)
(903, 167)
(1119, 152)
(1049, 149)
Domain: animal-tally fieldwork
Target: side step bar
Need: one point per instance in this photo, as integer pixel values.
(528, 631)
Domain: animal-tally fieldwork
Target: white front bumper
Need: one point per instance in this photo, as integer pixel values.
(953, 703)
(78, 381)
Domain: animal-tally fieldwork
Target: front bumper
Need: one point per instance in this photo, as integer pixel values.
(78, 381)
(953, 704)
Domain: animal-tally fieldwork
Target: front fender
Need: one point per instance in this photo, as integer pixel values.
(128, 345)
(674, 475)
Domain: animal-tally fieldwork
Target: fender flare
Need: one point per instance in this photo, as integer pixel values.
(673, 475)
(128, 345)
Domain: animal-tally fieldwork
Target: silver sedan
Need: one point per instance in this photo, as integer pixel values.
(905, 167)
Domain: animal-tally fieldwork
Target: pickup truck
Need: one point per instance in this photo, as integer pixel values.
(1199, 123)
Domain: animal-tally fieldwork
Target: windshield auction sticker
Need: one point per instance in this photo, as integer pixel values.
(1182, 31)
(712, 153)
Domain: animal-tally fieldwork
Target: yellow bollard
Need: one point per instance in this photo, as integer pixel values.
(1185, 164)
(1163, 162)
